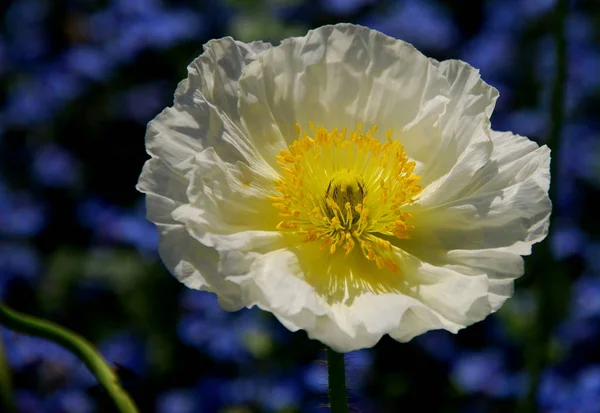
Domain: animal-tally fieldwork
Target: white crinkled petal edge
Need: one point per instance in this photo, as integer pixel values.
(484, 205)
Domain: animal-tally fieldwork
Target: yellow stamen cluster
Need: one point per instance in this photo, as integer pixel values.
(347, 188)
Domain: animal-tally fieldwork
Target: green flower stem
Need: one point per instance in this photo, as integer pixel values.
(79, 346)
(336, 372)
(557, 104)
(7, 403)
(552, 280)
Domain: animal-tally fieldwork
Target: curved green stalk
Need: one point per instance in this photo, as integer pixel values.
(79, 346)
(7, 403)
(336, 372)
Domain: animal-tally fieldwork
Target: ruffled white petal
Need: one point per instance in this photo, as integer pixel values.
(176, 139)
(194, 264)
(340, 75)
(222, 197)
(505, 205)
(434, 297)
(196, 122)
(215, 74)
(465, 144)
(493, 221)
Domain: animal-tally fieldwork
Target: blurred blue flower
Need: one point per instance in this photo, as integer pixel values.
(359, 360)
(203, 303)
(315, 377)
(591, 254)
(584, 65)
(125, 349)
(28, 401)
(136, 7)
(587, 389)
(577, 160)
(28, 103)
(89, 62)
(18, 260)
(223, 335)
(580, 153)
(60, 85)
(142, 102)
(25, 12)
(344, 6)
(212, 392)
(28, 44)
(358, 367)
(136, 231)
(20, 350)
(55, 365)
(569, 197)
(438, 344)
(130, 41)
(40, 94)
(178, 401)
(586, 297)
(530, 122)
(504, 104)
(579, 28)
(248, 321)
(21, 215)
(243, 389)
(102, 26)
(272, 394)
(578, 331)
(69, 401)
(225, 345)
(485, 372)
(281, 393)
(156, 30)
(589, 380)
(492, 65)
(110, 223)
(24, 21)
(534, 8)
(221, 13)
(423, 23)
(220, 341)
(553, 391)
(93, 213)
(500, 15)
(567, 240)
(580, 394)
(168, 28)
(54, 166)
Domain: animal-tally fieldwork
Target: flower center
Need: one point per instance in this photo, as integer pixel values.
(347, 189)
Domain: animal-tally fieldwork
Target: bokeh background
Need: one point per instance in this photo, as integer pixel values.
(79, 81)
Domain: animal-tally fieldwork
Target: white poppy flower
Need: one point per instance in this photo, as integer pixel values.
(346, 183)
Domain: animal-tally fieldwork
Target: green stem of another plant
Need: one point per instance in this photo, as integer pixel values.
(336, 372)
(79, 346)
(552, 283)
(7, 403)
